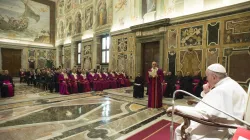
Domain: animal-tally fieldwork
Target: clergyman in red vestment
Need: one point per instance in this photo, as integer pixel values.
(155, 79)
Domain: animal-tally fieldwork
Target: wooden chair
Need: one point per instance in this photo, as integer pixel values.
(188, 118)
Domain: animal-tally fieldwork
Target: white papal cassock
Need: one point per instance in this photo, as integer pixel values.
(227, 95)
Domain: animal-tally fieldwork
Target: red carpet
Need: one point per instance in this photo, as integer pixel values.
(158, 131)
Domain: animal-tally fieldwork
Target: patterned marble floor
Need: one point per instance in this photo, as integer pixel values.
(111, 114)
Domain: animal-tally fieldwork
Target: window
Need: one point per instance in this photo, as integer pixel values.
(79, 50)
(105, 49)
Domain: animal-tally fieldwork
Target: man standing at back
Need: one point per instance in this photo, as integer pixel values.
(155, 79)
(221, 92)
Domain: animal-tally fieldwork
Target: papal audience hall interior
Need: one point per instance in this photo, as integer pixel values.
(125, 69)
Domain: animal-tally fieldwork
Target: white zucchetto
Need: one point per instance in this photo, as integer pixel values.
(217, 68)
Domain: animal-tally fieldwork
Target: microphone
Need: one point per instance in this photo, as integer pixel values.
(173, 104)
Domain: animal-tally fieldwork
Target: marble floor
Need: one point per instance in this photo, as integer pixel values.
(112, 114)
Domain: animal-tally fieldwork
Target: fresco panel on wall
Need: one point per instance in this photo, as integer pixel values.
(25, 20)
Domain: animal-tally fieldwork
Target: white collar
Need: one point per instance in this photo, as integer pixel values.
(221, 81)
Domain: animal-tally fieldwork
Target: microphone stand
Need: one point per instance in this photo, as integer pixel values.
(173, 104)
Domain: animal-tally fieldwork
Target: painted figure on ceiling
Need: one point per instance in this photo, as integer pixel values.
(102, 12)
(78, 23)
(89, 18)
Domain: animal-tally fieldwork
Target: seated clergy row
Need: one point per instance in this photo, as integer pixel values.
(75, 81)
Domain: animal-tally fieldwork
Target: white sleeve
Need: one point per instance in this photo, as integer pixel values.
(191, 111)
(215, 99)
(203, 94)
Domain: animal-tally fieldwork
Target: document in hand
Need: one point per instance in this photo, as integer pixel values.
(153, 74)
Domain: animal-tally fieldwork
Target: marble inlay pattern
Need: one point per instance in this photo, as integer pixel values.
(126, 94)
(135, 107)
(52, 114)
(29, 95)
(128, 121)
(110, 115)
(29, 133)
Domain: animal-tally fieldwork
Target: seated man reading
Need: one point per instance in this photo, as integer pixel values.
(221, 92)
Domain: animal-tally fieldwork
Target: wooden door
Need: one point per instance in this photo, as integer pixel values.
(150, 53)
(11, 61)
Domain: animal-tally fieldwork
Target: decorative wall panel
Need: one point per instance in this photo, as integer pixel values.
(237, 63)
(237, 30)
(172, 38)
(67, 57)
(122, 44)
(190, 61)
(41, 58)
(123, 54)
(230, 29)
(212, 56)
(191, 36)
(31, 58)
(172, 61)
(87, 57)
(213, 33)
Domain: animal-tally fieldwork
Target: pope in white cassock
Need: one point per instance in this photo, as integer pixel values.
(221, 92)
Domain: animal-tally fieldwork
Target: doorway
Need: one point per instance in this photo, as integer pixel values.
(11, 61)
(150, 53)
